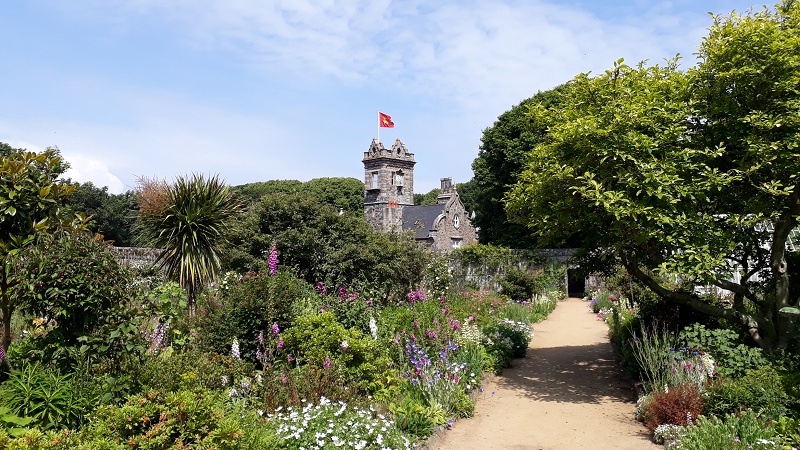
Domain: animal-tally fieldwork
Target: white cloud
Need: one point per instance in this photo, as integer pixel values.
(474, 54)
(84, 168)
(450, 66)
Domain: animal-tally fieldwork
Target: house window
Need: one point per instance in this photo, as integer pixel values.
(374, 180)
(456, 242)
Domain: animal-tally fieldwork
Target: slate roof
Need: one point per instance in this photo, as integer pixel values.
(420, 218)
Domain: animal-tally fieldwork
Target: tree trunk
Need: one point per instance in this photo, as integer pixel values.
(5, 305)
(761, 329)
(6, 340)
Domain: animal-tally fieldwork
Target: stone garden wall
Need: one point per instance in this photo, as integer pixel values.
(485, 277)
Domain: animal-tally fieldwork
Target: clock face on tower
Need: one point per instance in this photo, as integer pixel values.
(456, 221)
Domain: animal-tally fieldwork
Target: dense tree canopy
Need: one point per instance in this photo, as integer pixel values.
(321, 245)
(683, 173)
(504, 151)
(346, 194)
(112, 214)
(32, 200)
(430, 198)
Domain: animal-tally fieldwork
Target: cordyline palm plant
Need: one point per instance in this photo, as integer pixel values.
(187, 220)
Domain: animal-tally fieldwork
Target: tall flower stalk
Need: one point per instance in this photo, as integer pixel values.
(273, 260)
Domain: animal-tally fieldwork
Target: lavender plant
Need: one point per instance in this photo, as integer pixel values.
(441, 381)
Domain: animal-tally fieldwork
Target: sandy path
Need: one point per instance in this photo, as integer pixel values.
(569, 392)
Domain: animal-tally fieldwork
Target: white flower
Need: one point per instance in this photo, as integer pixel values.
(235, 349)
(373, 327)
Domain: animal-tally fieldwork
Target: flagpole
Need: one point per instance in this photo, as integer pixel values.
(379, 126)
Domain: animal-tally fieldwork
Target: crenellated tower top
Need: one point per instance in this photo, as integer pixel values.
(388, 184)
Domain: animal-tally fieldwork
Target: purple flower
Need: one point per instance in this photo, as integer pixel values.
(275, 328)
(280, 343)
(260, 338)
(327, 363)
(321, 289)
(345, 345)
(273, 260)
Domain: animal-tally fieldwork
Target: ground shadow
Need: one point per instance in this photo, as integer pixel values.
(569, 374)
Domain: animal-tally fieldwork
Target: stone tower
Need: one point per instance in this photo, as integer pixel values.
(389, 184)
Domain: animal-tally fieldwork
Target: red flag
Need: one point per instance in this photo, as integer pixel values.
(385, 121)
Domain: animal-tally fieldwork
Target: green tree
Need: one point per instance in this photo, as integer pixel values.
(112, 215)
(73, 278)
(344, 194)
(320, 245)
(503, 154)
(32, 200)
(431, 198)
(689, 174)
(190, 226)
(251, 192)
(468, 191)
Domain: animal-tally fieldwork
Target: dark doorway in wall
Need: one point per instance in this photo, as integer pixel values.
(576, 282)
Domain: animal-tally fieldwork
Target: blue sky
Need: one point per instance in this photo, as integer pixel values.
(255, 90)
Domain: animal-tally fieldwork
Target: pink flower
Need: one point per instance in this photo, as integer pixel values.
(275, 328)
(327, 363)
(273, 260)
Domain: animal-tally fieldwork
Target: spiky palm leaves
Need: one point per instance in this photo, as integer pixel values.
(189, 227)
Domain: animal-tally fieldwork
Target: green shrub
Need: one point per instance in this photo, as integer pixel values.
(527, 312)
(744, 431)
(73, 279)
(35, 439)
(788, 430)
(191, 369)
(319, 337)
(159, 421)
(45, 395)
(77, 286)
(761, 391)
(351, 309)
(413, 417)
(249, 307)
(12, 424)
(504, 341)
(733, 359)
(286, 387)
(622, 328)
(526, 284)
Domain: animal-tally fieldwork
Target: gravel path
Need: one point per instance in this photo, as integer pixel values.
(569, 392)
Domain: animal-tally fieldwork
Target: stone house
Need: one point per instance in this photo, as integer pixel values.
(389, 201)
